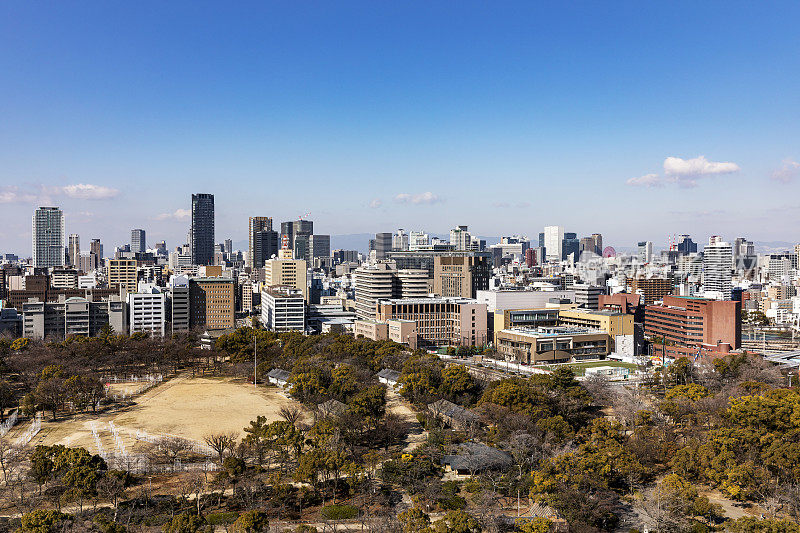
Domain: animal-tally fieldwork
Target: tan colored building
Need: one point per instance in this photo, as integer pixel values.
(287, 273)
(440, 321)
(403, 332)
(211, 303)
(552, 344)
(122, 273)
(652, 289)
(371, 329)
(611, 322)
(460, 276)
(384, 281)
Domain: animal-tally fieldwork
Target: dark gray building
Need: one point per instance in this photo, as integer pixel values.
(382, 244)
(202, 229)
(265, 245)
(138, 241)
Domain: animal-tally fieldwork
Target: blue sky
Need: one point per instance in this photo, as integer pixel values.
(375, 115)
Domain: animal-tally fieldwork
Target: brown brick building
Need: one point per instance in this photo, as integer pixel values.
(460, 276)
(211, 303)
(691, 323)
(652, 289)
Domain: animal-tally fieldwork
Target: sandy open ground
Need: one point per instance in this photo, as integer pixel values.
(187, 407)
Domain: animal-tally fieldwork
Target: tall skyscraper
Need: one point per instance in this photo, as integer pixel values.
(295, 228)
(553, 242)
(598, 243)
(96, 247)
(228, 246)
(570, 246)
(74, 249)
(381, 245)
(202, 229)
(265, 245)
(686, 245)
(138, 242)
(717, 259)
(48, 237)
(645, 251)
(254, 225)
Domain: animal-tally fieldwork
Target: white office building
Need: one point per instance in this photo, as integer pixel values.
(147, 310)
(645, 251)
(418, 240)
(553, 242)
(283, 309)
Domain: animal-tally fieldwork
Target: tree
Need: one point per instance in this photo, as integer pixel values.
(414, 520)
(184, 523)
(221, 443)
(252, 522)
(43, 521)
(457, 522)
(6, 398)
(290, 413)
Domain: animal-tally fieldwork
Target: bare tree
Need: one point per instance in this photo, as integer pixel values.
(290, 413)
(221, 443)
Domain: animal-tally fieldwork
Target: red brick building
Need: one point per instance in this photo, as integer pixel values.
(691, 323)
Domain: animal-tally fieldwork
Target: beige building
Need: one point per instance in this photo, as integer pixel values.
(371, 329)
(610, 322)
(122, 273)
(439, 321)
(460, 276)
(211, 303)
(286, 273)
(552, 344)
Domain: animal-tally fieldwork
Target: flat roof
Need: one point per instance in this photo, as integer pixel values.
(429, 300)
(552, 331)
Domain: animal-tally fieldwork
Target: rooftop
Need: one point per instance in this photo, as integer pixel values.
(553, 331)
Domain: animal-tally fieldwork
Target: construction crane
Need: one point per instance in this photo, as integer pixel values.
(304, 216)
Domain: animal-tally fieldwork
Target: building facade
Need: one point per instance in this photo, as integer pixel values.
(202, 232)
(283, 309)
(48, 237)
(211, 302)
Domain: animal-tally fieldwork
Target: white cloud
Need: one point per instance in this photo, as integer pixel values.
(178, 214)
(375, 203)
(421, 198)
(47, 194)
(788, 172)
(648, 180)
(13, 195)
(87, 191)
(685, 172)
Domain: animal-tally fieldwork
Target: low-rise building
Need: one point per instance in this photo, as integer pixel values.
(552, 344)
(72, 316)
(439, 321)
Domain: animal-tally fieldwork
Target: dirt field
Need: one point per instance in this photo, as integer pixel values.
(185, 407)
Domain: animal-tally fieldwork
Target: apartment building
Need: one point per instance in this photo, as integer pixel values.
(147, 310)
(122, 273)
(383, 281)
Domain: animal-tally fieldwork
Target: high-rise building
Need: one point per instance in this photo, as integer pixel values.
(96, 247)
(228, 246)
(319, 246)
(74, 249)
(651, 289)
(264, 245)
(717, 258)
(553, 242)
(400, 240)
(461, 276)
(461, 238)
(138, 241)
(645, 251)
(202, 231)
(296, 227)
(744, 255)
(48, 237)
(254, 225)
(598, 243)
(686, 245)
(418, 240)
(147, 310)
(282, 309)
(381, 245)
(287, 273)
(570, 246)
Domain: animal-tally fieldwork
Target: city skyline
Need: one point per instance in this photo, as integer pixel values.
(373, 118)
